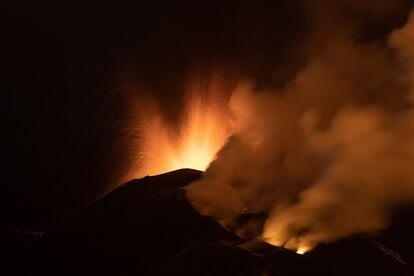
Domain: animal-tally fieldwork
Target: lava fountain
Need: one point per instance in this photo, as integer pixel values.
(202, 131)
(191, 141)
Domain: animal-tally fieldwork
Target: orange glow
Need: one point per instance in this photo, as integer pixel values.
(202, 131)
(302, 250)
(273, 237)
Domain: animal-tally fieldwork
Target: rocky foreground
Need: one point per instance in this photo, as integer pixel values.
(147, 227)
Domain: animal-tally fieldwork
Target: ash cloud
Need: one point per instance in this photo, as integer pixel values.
(331, 153)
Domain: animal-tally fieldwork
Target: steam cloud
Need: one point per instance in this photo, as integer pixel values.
(330, 154)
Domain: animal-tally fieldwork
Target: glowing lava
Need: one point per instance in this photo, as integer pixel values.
(302, 250)
(202, 131)
(274, 238)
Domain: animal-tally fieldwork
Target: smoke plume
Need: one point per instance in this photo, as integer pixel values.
(328, 155)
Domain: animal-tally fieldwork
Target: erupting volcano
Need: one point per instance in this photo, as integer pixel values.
(230, 138)
(312, 161)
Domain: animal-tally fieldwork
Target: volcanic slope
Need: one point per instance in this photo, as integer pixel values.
(147, 227)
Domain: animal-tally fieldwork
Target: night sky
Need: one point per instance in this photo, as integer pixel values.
(66, 66)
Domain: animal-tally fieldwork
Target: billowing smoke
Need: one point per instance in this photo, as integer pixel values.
(328, 155)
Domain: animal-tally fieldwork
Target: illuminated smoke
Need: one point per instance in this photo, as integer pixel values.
(328, 156)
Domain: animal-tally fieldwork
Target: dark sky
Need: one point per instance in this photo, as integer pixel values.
(64, 66)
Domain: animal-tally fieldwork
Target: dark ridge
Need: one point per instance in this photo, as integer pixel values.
(148, 227)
